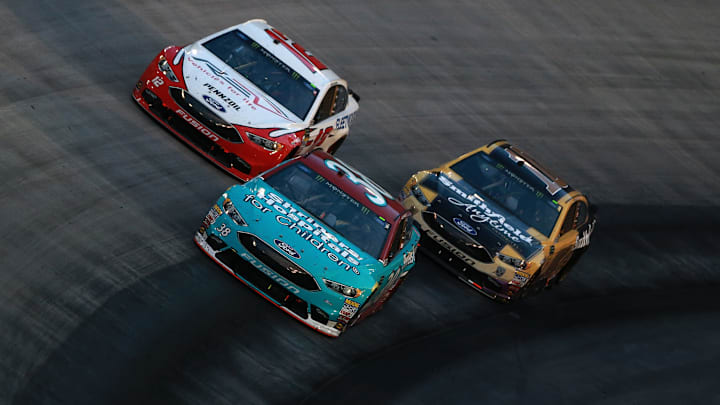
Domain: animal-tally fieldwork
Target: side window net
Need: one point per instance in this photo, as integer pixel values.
(570, 219)
(340, 100)
(335, 100)
(582, 214)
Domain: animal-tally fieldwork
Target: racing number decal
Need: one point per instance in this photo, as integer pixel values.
(373, 193)
(320, 138)
(157, 81)
(223, 229)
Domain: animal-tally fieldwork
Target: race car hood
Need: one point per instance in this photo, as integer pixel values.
(479, 218)
(322, 252)
(230, 95)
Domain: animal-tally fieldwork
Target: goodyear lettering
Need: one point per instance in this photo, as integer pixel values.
(307, 228)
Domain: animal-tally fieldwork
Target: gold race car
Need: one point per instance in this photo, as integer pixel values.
(500, 221)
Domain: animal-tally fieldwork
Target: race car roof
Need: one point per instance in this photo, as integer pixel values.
(355, 184)
(290, 52)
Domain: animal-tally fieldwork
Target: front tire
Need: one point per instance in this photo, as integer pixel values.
(334, 147)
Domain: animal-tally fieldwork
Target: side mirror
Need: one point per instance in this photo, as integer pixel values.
(354, 95)
(594, 210)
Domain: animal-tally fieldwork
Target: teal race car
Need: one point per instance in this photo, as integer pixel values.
(316, 238)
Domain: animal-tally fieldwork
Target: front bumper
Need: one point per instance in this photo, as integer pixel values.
(244, 160)
(482, 282)
(260, 282)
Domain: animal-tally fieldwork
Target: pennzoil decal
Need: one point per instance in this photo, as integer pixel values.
(307, 228)
(222, 96)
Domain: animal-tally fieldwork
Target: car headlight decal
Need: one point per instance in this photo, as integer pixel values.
(343, 289)
(417, 192)
(233, 213)
(265, 143)
(164, 67)
(517, 263)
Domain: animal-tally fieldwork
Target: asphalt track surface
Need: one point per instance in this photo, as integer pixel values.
(105, 299)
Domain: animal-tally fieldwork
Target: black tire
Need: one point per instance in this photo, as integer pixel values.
(334, 147)
(568, 266)
(534, 286)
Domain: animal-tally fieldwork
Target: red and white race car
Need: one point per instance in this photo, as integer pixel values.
(247, 98)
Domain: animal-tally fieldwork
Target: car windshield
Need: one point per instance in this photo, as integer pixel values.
(265, 71)
(332, 206)
(509, 189)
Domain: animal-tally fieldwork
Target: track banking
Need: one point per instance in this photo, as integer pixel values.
(307, 228)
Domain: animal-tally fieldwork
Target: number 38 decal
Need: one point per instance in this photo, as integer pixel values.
(223, 230)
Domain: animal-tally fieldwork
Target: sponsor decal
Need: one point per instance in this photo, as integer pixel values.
(467, 228)
(372, 192)
(214, 103)
(307, 228)
(409, 257)
(457, 252)
(344, 122)
(520, 278)
(347, 311)
(583, 240)
(187, 117)
(211, 216)
(499, 271)
(231, 85)
(200, 239)
(342, 194)
(230, 102)
(480, 212)
(287, 248)
(270, 273)
(317, 140)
